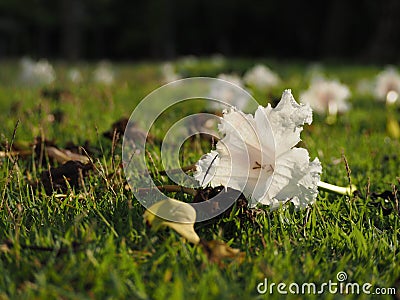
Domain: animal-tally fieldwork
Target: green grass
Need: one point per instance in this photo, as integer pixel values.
(93, 243)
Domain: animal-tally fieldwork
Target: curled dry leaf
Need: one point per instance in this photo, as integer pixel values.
(183, 214)
(43, 148)
(63, 156)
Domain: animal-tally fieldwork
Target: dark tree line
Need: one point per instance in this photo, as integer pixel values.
(365, 30)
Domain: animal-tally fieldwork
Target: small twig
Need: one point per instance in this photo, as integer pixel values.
(170, 188)
(396, 200)
(348, 170)
(14, 134)
(115, 139)
(62, 250)
(208, 169)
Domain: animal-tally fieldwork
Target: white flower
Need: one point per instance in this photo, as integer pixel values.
(228, 93)
(103, 73)
(388, 85)
(261, 77)
(37, 73)
(168, 73)
(75, 75)
(258, 156)
(327, 96)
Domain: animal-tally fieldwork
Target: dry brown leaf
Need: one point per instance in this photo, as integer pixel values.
(68, 174)
(62, 156)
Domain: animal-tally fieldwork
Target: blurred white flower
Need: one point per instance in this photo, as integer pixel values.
(327, 96)
(387, 86)
(261, 77)
(168, 73)
(258, 156)
(227, 93)
(103, 73)
(36, 73)
(75, 75)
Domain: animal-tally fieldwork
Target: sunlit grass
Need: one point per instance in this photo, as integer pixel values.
(93, 243)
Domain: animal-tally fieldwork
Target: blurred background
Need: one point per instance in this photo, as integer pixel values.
(361, 30)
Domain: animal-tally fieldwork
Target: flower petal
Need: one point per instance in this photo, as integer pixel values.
(286, 120)
(295, 179)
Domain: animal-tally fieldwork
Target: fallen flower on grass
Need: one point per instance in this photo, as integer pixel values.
(258, 156)
(103, 73)
(261, 77)
(327, 96)
(387, 85)
(387, 88)
(36, 73)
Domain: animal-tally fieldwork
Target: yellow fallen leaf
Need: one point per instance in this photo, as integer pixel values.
(178, 215)
(393, 127)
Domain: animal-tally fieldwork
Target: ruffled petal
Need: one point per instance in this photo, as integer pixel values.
(295, 179)
(286, 120)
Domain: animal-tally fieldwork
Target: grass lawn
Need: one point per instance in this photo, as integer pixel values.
(89, 241)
